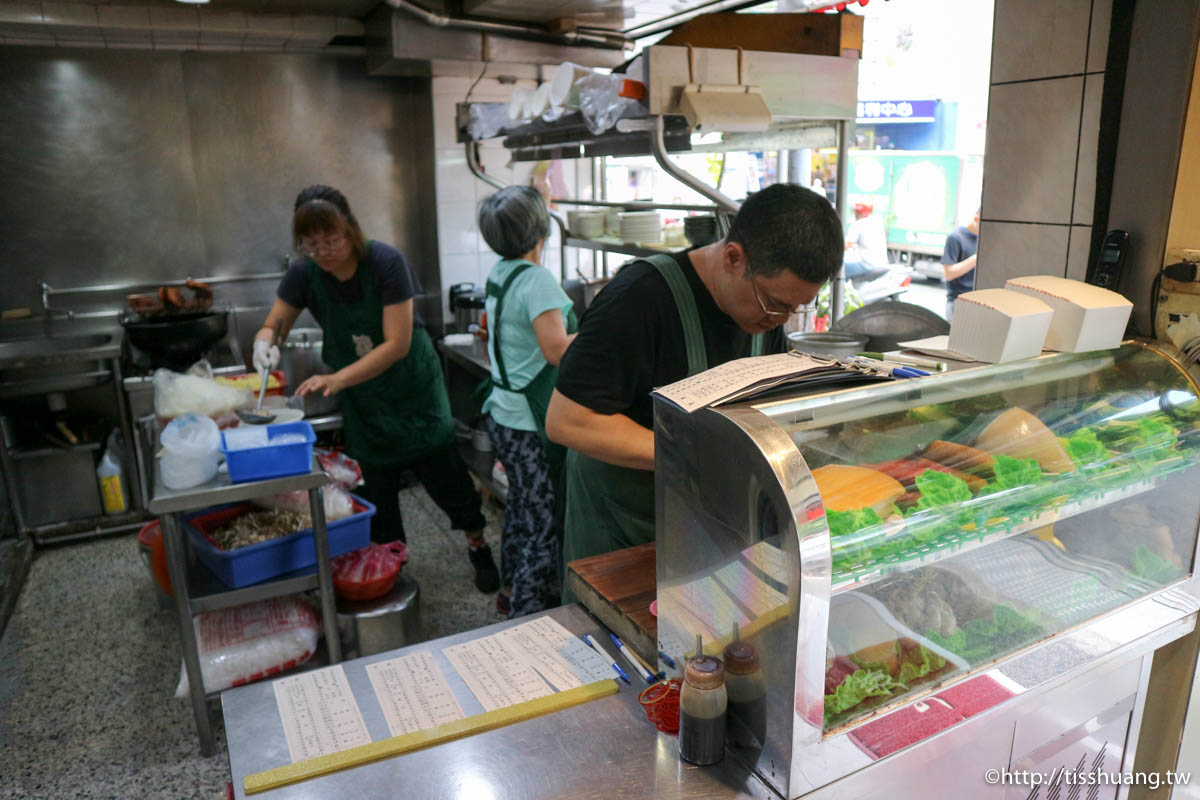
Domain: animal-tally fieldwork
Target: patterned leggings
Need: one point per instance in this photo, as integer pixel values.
(529, 550)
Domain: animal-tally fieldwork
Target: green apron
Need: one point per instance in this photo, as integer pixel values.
(400, 416)
(611, 507)
(537, 392)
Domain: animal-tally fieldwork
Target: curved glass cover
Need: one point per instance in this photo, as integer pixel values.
(976, 513)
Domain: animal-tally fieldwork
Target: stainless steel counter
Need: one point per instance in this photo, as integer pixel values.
(473, 356)
(605, 748)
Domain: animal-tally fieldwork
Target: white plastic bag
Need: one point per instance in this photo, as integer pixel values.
(254, 641)
(190, 453)
(176, 394)
(601, 103)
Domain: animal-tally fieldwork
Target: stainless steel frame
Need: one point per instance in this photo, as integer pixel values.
(171, 505)
(732, 477)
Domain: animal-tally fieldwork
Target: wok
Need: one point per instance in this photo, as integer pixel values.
(177, 337)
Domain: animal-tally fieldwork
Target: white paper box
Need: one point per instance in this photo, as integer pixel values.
(1086, 317)
(996, 325)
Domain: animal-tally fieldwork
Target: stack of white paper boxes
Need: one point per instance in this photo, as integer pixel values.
(1039, 312)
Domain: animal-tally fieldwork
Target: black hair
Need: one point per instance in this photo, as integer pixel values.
(514, 220)
(786, 226)
(323, 209)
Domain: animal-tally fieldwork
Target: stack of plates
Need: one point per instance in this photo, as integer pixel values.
(701, 229)
(586, 223)
(640, 226)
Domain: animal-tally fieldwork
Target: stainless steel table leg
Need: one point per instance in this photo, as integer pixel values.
(333, 642)
(172, 532)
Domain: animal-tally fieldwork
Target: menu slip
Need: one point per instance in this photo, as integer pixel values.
(743, 377)
(413, 693)
(319, 713)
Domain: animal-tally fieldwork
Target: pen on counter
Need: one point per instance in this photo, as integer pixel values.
(914, 361)
(908, 372)
(670, 662)
(633, 660)
(616, 667)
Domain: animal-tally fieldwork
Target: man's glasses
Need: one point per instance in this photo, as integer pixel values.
(331, 245)
(769, 312)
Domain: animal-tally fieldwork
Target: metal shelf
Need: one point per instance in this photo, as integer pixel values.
(208, 593)
(613, 245)
(481, 465)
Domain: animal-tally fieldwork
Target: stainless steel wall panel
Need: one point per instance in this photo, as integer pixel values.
(144, 166)
(96, 169)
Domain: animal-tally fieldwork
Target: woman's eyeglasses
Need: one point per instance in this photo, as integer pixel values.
(330, 245)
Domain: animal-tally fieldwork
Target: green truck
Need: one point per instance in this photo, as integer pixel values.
(922, 197)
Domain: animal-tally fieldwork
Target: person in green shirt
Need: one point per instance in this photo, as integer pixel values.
(530, 319)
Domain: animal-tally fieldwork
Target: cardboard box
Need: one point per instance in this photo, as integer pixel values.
(808, 34)
(1086, 317)
(997, 325)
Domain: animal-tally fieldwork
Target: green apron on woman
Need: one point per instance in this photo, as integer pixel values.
(611, 507)
(400, 416)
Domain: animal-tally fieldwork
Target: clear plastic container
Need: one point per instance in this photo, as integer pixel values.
(190, 454)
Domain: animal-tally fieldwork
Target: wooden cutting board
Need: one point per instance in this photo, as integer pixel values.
(618, 588)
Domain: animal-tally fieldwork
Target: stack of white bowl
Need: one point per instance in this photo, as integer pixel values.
(586, 223)
(641, 226)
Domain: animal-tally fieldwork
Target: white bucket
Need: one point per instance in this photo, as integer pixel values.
(190, 454)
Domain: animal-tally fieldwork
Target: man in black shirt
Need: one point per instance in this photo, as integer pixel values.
(959, 260)
(661, 320)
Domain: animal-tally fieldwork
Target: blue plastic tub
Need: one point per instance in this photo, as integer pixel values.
(264, 560)
(270, 460)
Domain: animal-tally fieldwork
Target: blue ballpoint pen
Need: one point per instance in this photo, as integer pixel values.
(592, 644)
(908, 372)
(646, 674)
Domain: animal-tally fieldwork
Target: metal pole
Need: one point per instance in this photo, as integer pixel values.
(172, 533)
(835, 302)
(659, 146)
(316, 507)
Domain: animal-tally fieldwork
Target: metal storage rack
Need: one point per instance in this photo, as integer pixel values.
(812, 100)
(196, 590)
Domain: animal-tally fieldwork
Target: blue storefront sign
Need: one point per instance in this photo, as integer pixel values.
(892, 111)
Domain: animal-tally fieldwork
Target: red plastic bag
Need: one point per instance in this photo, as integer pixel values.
(369, 572)
(342, 469)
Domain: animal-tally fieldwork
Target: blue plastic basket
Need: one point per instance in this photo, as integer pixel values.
(259, 562)
(271, 461)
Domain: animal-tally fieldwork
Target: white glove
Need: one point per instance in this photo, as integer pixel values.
(266, 356)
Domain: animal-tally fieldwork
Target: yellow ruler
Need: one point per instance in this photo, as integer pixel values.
(398, 745)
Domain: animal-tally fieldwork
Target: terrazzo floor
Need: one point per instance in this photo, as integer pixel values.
(89, 664)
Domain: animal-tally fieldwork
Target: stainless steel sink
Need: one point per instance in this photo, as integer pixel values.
(56, 360)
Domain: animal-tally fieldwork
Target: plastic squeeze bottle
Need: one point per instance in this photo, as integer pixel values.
(702, 703)
(747, 690)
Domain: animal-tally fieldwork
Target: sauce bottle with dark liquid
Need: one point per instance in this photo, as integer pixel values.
(747, 691)
(702, 703)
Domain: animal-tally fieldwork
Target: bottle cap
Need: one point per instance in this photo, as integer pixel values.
(704, 672)
(740, 658)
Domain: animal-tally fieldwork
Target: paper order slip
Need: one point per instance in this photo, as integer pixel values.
(319, 713)
(413, 693)
(503, 669)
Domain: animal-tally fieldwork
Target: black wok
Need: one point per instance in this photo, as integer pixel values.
(181, 337)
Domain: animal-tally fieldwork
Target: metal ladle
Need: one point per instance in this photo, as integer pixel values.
(255, 417)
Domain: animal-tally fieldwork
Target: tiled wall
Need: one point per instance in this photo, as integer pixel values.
(1039, 177)
(463, 253)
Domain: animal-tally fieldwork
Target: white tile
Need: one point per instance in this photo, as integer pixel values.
(173, 18)
(269, 23)
(312, 25)
(1098, 39)
(456, 229)
(223, 21)
(1089, 137)
(1077, 254)
(455, 87)
(1039, 39)
(1009, 250)
(30, 13)
(444, 122)
(454, 182)
(1033, 134)
(70, 14)
(123, 17)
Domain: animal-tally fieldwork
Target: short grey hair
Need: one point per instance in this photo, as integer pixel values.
(514, 220)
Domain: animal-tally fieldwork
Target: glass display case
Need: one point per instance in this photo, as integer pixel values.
(877, 545)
